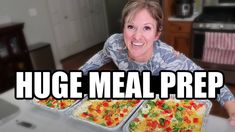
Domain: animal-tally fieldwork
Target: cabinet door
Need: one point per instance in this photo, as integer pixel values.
(4, 54)
(77, 24)
(180, 42)
(4, 50)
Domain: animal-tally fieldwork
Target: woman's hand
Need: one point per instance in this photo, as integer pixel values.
(230, 107)
(232, 120)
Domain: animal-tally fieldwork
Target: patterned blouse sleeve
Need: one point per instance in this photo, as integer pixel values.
(98, 60)
(176, 61)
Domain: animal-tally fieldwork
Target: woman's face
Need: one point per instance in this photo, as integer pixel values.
(139, 34)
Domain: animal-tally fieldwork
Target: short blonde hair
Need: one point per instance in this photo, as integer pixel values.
(153, 7)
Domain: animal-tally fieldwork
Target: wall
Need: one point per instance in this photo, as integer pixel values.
(37, 28)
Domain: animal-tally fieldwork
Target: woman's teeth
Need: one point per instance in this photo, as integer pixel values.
(138, 44)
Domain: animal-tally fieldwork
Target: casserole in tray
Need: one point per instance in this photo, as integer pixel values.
(54, 104)
(109, 115)
(170, 115)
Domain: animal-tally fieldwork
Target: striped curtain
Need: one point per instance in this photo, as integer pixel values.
(219, 48)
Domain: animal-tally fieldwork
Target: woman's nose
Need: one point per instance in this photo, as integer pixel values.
(137, 34)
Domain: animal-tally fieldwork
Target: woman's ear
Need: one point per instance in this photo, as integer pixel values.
(158, 34)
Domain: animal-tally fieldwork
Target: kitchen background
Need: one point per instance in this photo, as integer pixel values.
(76, 29)
(74, 26)
(41, 21)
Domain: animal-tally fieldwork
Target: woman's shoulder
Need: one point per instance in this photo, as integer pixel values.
(115, 37)
(162, 46)
(115, 40)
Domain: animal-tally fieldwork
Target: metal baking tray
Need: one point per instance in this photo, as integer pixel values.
(207, 104)
(45, 107)
(80, 105)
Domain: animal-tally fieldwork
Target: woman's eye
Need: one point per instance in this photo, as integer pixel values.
(147, 28)
(130, 27)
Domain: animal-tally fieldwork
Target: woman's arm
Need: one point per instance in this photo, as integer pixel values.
(95, 62)
(99, 59)
(111, 48)
(230, 107)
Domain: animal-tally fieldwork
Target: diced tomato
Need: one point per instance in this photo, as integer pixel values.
(167, 111)
(145, 115)
(177, 104)
(186, 119)
(116, 119)
(62, 105)
(154, 124)
(105, 104)
(159, 103)
(195, 120)
(90, 114)
(168, 129)
(195, 106)
(160, 126)
(84, 114)
(188, 130)
(107, 117)
(192, 102)
(109, 122)
(149, 123)
(170, 116)
(125, 110)
(122, 115)
(166, 122)
(137, 101)
(98, 111)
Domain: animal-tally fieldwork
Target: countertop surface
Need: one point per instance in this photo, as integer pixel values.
(47, 121)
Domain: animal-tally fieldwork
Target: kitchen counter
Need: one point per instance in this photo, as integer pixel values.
(47, 121)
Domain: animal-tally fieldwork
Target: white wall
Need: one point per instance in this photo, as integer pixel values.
(37, 28)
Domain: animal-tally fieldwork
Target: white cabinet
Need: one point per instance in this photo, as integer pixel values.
(77, 24)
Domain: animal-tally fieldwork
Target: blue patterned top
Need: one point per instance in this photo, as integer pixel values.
(164, 58)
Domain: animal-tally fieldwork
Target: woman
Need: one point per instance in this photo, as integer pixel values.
(139, 48)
